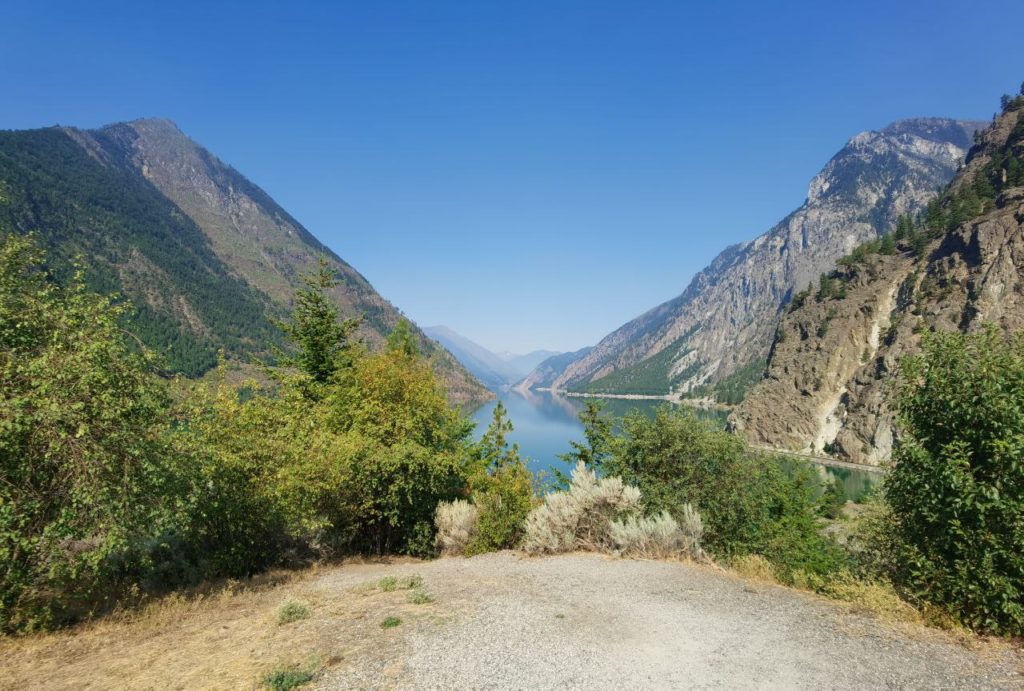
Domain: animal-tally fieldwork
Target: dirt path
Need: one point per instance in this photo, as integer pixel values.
(503, 621)
(585, 621)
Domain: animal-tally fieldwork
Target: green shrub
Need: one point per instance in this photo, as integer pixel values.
(957, 486)
(86, 475)
(501, 491)
(749, 503)
(292, 610)
(291, 676)
(390, 623)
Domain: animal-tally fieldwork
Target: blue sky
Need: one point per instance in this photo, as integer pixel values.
(532, 174)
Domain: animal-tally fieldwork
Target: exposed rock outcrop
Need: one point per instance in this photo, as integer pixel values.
(726, 318)
(831, 371)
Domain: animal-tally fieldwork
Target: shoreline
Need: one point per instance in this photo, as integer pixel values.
(704, 403)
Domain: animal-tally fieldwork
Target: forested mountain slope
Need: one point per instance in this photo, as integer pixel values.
(959, 266)
(207, 257)
(718, 332)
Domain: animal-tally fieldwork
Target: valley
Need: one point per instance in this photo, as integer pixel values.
(633, 345)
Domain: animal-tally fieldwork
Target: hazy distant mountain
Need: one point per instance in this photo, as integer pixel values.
(524, 364)
(494, 370)
(544, 374)
(716, 335)
(206, 256)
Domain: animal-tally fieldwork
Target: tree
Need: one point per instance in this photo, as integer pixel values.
(597, 432)
(957, 486)
(493, 447)
(323, 341)
(84, 469)
(502, 490)
(402, 340)
(887, 246)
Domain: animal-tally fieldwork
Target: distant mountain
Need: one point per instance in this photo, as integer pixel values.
(495, 371)
(714, 338)
(207, 257)
(524, 364)
(829, 380)
(545, 373)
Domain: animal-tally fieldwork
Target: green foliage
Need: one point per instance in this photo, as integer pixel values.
(502, 492)
(957, 487)
(799, 299)
(136, 241)
(733, 388)
(390, 622)
(292, 610)
(291, 676)
(833, 499)
(597, 433)
(322, 340)
(106, 488)
(750, 505)
(85, 471)
(401, 339)
(653, 376)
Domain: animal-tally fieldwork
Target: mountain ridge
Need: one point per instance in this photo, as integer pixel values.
(208, 258)
(828, 381)
(723, 321)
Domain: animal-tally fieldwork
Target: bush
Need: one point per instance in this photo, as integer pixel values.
(86, 473)
(292, 610)
(657, 536)
(749, 503)
(456, 523)
(503, 501)
(957, 486)
(581, 517)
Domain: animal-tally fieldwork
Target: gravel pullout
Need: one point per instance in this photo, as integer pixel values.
(503, 621)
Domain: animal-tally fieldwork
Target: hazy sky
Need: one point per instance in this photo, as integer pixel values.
(532, 174)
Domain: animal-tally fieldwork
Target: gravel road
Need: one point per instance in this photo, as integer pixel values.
(503, 621)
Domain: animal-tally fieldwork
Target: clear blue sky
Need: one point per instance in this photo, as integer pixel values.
(532, 174)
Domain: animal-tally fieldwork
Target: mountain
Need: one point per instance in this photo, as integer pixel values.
(207, 257)
(715, 336)
(545, 373)
(495, 371)
(524, 364)
(830, 372)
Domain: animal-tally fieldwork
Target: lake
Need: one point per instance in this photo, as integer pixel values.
(545, 424)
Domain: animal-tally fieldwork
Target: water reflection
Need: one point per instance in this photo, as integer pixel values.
(545, 424)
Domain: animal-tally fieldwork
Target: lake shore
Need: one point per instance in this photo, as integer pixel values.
(704, 403)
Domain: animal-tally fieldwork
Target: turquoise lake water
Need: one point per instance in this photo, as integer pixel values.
(545, 424)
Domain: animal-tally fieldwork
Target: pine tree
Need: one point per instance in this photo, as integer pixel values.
(597, 430)
(324, 341)
(401, 339)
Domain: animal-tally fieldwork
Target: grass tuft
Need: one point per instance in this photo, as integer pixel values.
(419, 596)
(292, 610)
(390, 623)
(290, 676)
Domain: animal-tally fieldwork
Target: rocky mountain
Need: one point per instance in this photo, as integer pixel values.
(716, 335)
(545, 374)
(834, 357)
(206, 256)
(494, 370)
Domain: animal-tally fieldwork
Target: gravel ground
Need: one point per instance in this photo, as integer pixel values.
(502, 621)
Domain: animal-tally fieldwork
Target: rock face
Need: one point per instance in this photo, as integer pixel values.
(207, 257)
(834, 359)
(722, 325)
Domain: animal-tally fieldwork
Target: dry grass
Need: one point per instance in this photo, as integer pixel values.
(754, 567)
(221, 638)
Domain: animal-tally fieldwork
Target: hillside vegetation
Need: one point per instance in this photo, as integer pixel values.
(207, 258)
